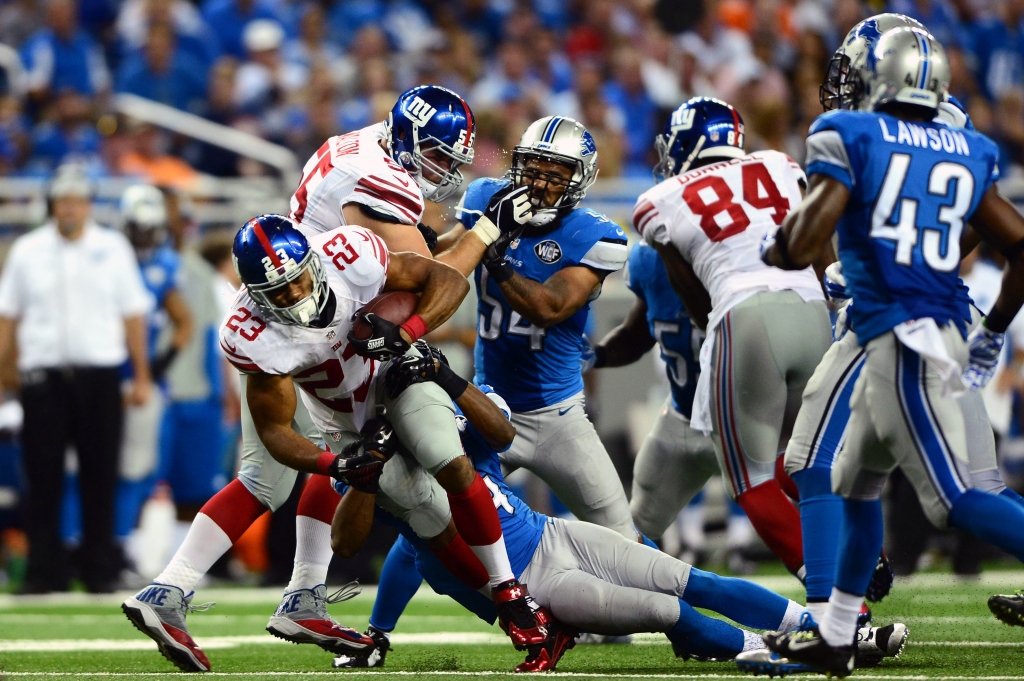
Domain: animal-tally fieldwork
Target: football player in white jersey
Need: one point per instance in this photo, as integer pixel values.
(765, 333)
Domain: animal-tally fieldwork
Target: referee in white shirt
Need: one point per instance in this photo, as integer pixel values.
(73, 305)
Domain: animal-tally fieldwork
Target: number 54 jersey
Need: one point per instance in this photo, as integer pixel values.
(716, 217)
(912, 187)
(337, 384)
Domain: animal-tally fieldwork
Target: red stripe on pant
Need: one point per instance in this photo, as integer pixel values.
(318, 499)
(234, 509)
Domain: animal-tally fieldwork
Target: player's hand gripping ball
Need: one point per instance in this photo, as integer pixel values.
(376, 327)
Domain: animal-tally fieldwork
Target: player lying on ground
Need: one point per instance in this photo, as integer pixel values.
(295, 321)
(589, 577)
(899, 186)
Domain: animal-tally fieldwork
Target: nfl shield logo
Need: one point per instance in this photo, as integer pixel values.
(548, 251)
(331, 335)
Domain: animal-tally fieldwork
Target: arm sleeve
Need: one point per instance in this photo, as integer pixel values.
(132, 297)
(11, 302)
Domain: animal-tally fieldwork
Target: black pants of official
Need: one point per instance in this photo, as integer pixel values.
(80, 407)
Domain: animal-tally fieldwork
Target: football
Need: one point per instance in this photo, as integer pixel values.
(396, 307)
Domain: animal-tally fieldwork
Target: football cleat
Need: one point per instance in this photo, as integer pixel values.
(876, 643)
(302, 617)
(159, 611)
(373, 658)
(807, 646)
(864, 617)
(764, 661)
(881, 580)
(519, 616)
(1008, 608)
(545, 656)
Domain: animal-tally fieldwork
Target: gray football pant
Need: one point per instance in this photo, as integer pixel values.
(673, 465)
(593, 579)
(766, 349)
(560, 446)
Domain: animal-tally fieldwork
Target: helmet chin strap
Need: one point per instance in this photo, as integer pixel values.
(689, 159)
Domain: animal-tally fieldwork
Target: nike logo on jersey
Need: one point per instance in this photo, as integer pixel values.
(563, 412)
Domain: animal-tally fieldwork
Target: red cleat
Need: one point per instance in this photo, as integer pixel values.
(519, 616)
(545, 656)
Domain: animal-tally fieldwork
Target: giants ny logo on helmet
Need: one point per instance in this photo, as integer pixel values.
(682, 119)
(419, 112)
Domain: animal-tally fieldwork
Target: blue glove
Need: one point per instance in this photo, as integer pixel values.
(985, 347)
(835, 283)
(767, 241)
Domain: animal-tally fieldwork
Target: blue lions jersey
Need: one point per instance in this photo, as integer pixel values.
(912, 187)
(529, 366)
(160, 275)
(678, 340)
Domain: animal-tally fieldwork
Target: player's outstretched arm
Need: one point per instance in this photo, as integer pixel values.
(1002, 227)
(352, 522)
(271, 402)
(442, 288)
(805, 233)
(627, 342)
(686, 284)
(487, 418)
(461, 248)
(554, 301)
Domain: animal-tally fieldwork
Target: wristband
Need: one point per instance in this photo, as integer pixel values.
(996, 321)
(500, 271)
(415, 327)
(600, 356)
(486, 230)
(323, 463)
(450, 382)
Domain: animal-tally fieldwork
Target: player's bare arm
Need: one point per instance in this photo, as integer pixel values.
(271, 400)
(181, 319)
(686, 284)
(555, 300)
(487, 418)
(442, 287)
(807, 231)
(1002, 227)
(136, 334)
(352, 522)
(628, 341)
(397, 235)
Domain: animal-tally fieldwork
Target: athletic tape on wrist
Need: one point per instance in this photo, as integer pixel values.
(486, 230)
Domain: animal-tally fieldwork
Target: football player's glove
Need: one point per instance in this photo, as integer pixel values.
(429, 235)
(385, 341)
(431, 365)
(985, 347)
(835, 283)
(361, 463)
(509, 211)
(767, 241)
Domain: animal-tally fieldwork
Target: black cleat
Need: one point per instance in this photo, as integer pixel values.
(881, 580)
(877, 643)
(372, 657)
(1008, 608)
(807, 646)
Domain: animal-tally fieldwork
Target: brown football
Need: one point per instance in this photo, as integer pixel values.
(396, 307)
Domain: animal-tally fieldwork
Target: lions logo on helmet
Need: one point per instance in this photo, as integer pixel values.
(269, 253)
(906, 65)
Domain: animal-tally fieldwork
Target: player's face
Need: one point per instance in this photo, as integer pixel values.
(438, 159)
(547, 181)
(292, 292)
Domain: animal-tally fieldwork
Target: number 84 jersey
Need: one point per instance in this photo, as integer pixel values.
(716, 217)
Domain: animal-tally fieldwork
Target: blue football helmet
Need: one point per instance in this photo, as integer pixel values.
(269, 253)
(427, 124)
(702, 127)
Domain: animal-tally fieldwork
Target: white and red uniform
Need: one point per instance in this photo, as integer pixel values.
(353, 168)
(336, 382)
(767, 330)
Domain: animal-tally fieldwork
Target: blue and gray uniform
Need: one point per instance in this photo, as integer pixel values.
(538, 369)
(674, 461)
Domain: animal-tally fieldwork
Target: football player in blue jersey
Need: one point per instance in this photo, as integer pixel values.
(900, 187)
(674, 461)
(535, 286)
(589, 577)
(144, 221)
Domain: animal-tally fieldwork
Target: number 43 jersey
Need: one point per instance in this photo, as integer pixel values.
(529, 366)
(912, 187)
(337, 384)
(716, 217)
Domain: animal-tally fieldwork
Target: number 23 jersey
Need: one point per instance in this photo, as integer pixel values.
(912, 187)
(337, 383)
(716, 217)
(529, 366)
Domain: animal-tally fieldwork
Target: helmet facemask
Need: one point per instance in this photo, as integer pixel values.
(448, 180)
(573, 189)
(303, 312)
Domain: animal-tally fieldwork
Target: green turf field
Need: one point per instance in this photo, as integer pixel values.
(952, 636)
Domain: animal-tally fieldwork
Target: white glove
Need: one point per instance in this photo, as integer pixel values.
(835, 283)
(985, 347)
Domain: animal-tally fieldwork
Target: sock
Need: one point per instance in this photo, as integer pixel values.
(181, 528)
(461, 561)
(821, 516)
(860, 543)
(752, 641)
(791, 620)
(313, 533)
(741, 601)
(399, 580)
(477, 521)
(219, 523)
(704, 636)
(991, 517)
(839, 625)
(1012, 496)
(786, 483)
(817, 609)
(776, 520)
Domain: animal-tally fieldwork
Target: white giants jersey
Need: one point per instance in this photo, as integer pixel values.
(337, 383)
(352, 168)
(716, 217)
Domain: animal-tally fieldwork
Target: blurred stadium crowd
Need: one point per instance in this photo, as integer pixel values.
(296, 72)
